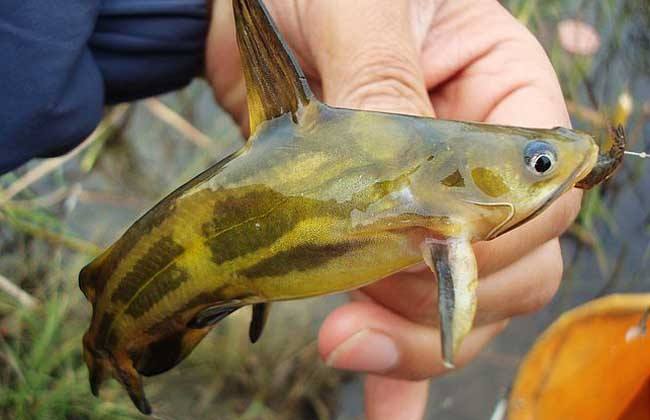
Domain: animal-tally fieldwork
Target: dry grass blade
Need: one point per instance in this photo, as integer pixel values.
(106, 198)
(46, 200)
(24, 298)
(49, 165)
(71, 242)
(180, 124)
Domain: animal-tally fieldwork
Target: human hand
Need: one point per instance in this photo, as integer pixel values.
(463, 60)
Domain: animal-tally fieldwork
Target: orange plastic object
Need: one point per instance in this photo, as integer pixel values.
(592, 363)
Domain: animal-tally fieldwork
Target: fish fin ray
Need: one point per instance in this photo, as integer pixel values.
(132, 382)
(275, 84)
(260, 316)
(454, 265)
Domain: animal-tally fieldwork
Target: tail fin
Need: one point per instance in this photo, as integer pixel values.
(132, 381)
(98, 369)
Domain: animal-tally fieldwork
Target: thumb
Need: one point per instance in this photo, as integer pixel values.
(368, 53)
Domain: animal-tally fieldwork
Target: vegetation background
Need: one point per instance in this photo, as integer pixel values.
(56, 214)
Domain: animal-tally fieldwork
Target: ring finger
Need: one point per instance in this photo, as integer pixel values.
(366, 337)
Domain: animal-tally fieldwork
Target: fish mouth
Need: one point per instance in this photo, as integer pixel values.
(607, 162)
(579, 175)
(580, 172)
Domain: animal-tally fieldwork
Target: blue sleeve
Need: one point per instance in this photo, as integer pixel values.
(62, 60)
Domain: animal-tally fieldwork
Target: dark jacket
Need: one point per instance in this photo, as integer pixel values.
(62, 60)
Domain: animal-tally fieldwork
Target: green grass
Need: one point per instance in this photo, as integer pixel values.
(42, 374)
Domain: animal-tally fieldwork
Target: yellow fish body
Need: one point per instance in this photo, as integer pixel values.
(320, 200)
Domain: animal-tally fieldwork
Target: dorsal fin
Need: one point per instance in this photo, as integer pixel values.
(275, 84)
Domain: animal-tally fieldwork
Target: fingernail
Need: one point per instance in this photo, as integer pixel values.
(366, 351)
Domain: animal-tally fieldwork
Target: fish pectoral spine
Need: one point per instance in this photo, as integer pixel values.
(454, 265)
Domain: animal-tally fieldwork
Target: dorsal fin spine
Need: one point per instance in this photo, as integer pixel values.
(275, 84)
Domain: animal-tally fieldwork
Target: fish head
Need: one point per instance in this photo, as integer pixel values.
(515, 173)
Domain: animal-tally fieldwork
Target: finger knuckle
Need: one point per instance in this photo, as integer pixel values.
(377, 74)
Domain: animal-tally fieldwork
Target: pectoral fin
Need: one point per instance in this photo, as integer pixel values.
(275, 84)
(260, 315)
(211, 315)
(454, 264)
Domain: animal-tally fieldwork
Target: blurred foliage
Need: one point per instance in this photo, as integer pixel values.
(41, 372)
(54, 215)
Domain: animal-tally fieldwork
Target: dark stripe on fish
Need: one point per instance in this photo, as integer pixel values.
(255, 234)
(241, 208)
(300, 258)
(154, 218)
(161, 355)
(261, 216)
(120, 251)
(247, 238)
(168, 280)
(109, 339)
(239, 205)
(157, 257)
(105, 323)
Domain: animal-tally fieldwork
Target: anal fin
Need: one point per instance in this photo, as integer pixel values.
(260, 316)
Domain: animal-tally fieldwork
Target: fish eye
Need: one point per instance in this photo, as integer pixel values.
(540, 157)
